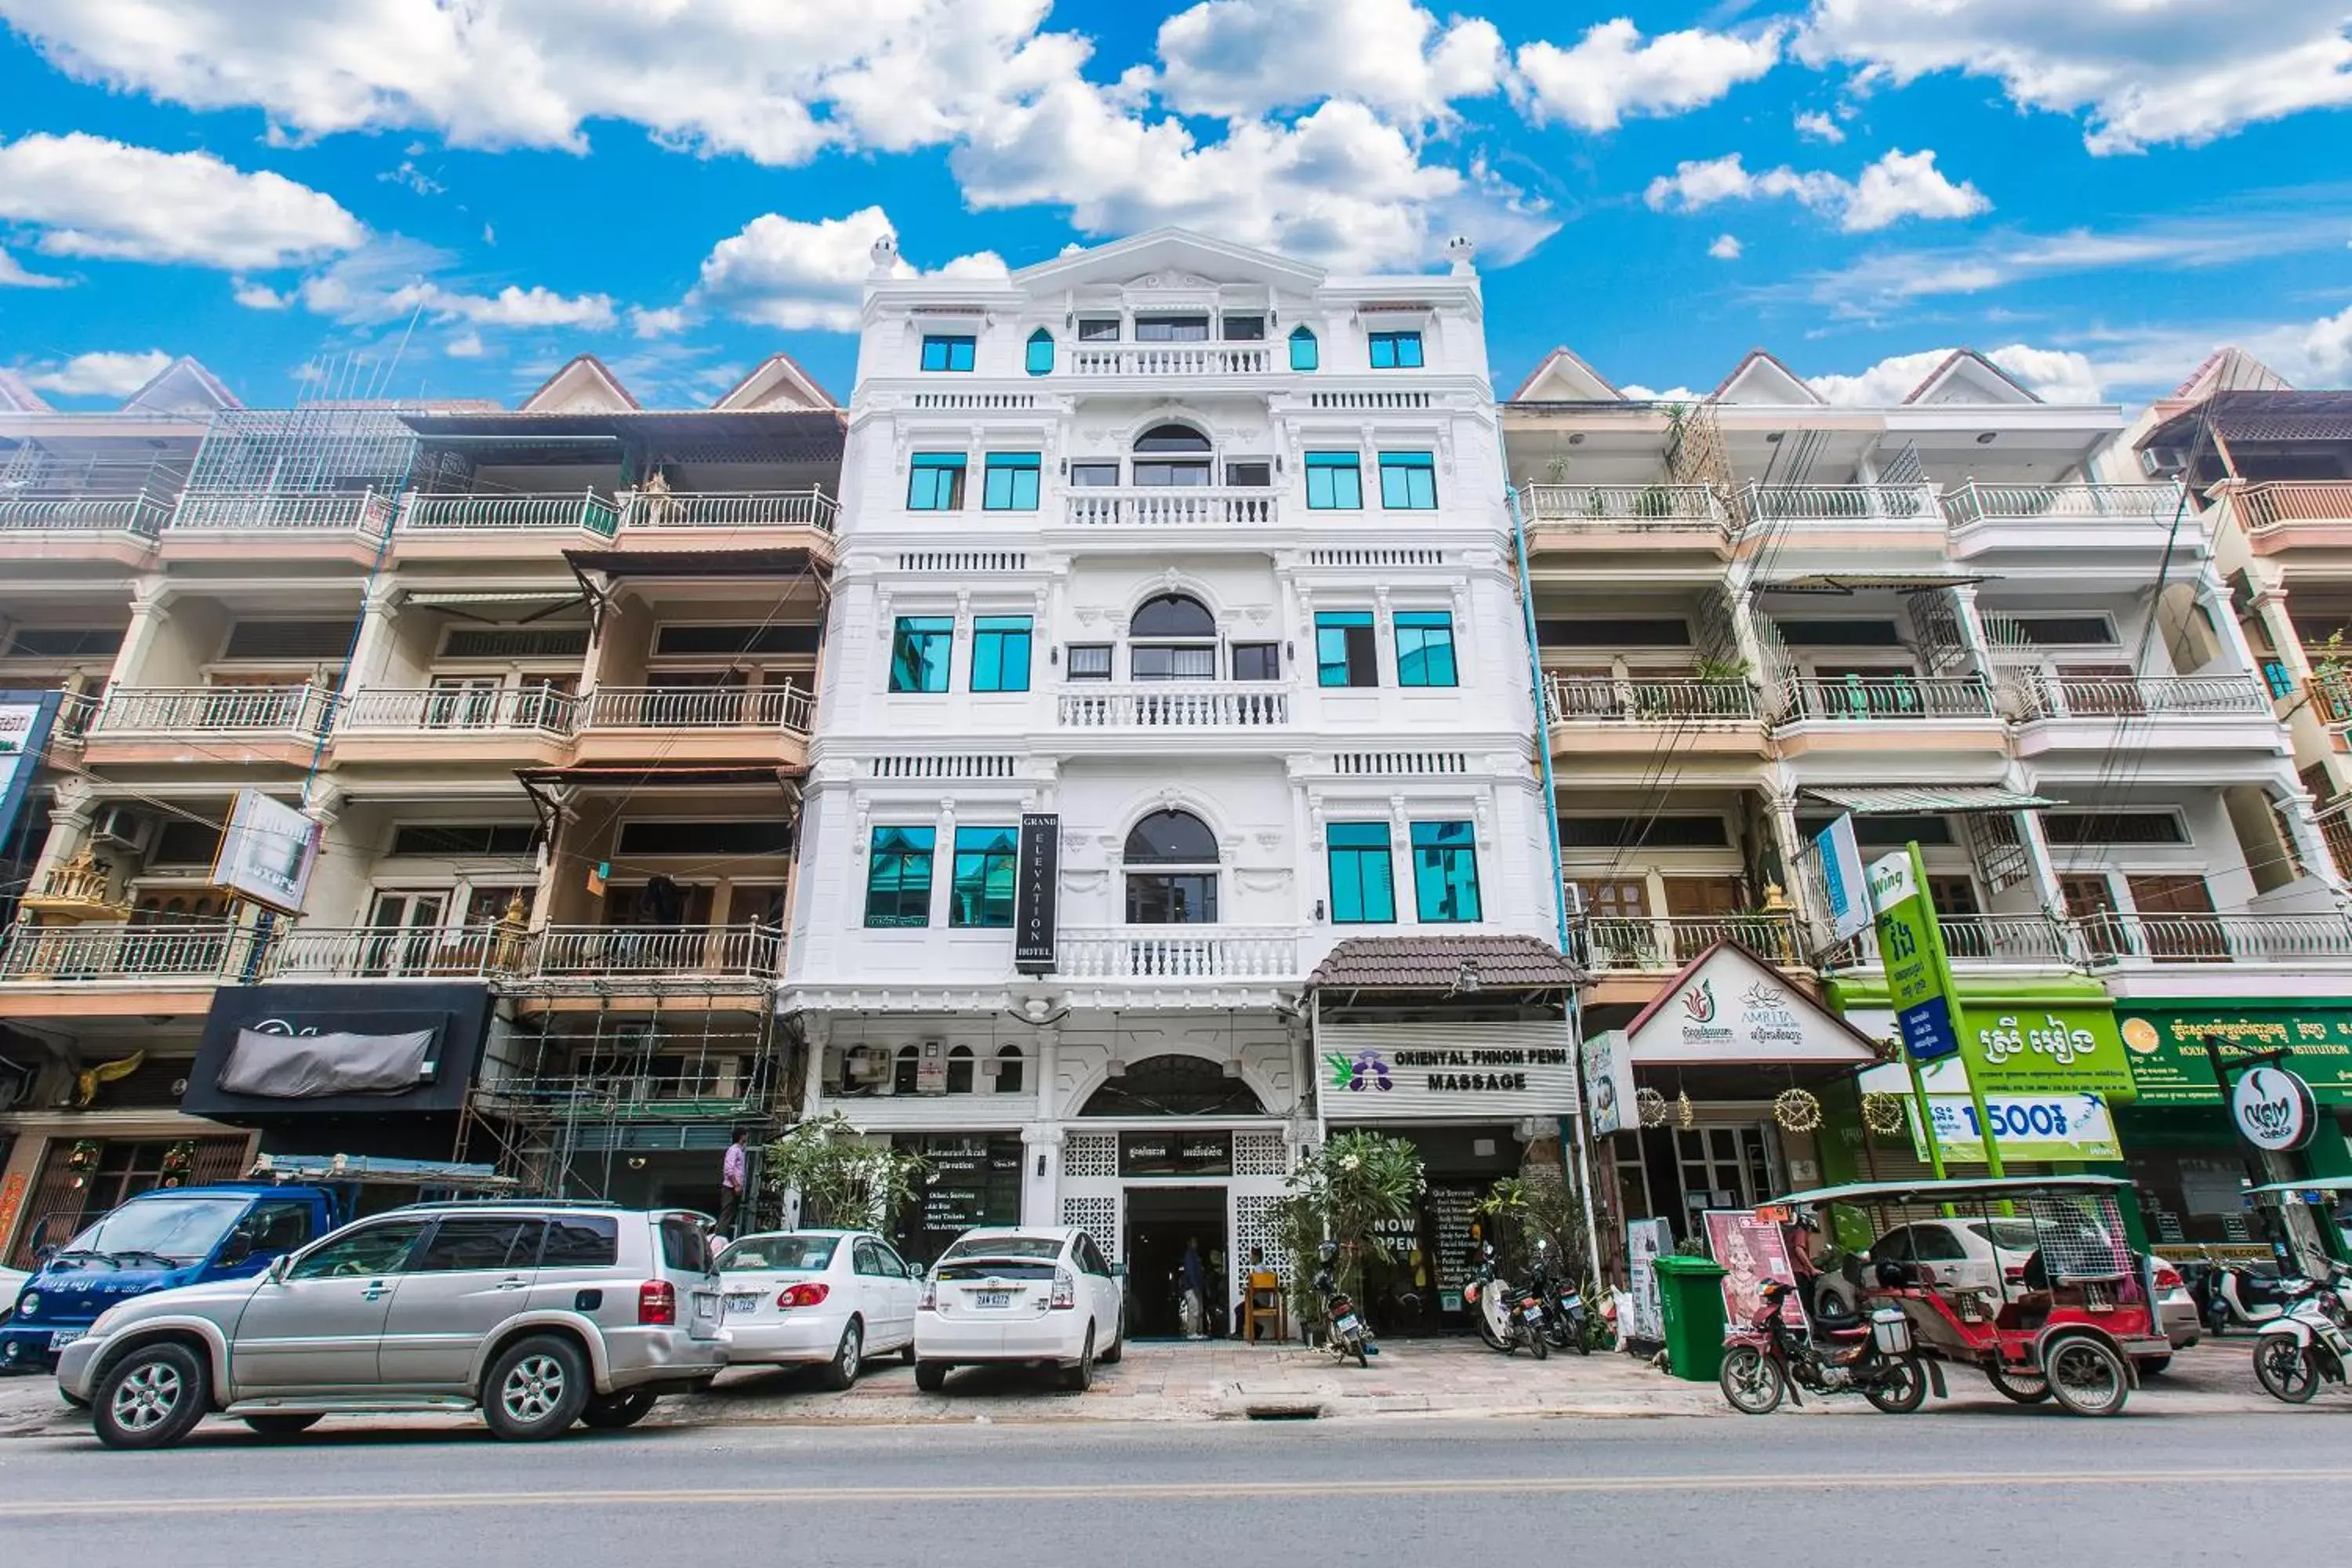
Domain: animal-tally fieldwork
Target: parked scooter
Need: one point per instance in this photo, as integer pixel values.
(1766, 1358)
(2309, 1343)
(1345, 1335)
(1566, 1321)
(2236, 1297)
(1508, 1316)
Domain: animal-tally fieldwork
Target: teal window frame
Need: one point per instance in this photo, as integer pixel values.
(948, 350)
(1408, 482)
(1363, 874)
(1396, 350)
(1306, 352)
(1424, 649)
(935, 482)
(899, 878)
(1038, 357)
(1000, 653)
(1347, 651)
(1008, 482)
(1334, 481)
(980, 895)
(1445, 872)
(922, 653)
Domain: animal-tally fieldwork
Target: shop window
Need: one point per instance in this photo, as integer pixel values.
(1424, 647)
(1000, 653)
(1445, 872)
(1363, 891)
(919, 652)
(981, 893)
(899, 878)
(1346, 653)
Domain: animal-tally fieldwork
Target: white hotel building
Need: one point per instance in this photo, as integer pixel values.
(1201, 554)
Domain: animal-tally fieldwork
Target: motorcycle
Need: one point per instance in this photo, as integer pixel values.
(1507, 1317)
(1346, 1337)
(2309, 1343)
(1875, 1358)
(2235, 1295)
(1566, 1321)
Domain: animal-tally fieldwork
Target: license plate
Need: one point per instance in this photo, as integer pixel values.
(1346, 1323)
(985, 1300)
(743, 1303)
(63, 1338)
(1535, 1314)
(705, 1304)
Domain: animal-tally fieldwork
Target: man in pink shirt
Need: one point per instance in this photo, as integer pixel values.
(734, 1173)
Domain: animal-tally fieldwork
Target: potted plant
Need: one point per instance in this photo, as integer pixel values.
(1345, 1192)
(844, 1178)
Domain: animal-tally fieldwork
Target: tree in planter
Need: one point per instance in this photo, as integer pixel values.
(1344, 1191)
(1524, 1210)
(847, 1180)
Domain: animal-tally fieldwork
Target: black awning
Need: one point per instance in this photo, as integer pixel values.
(769, 563)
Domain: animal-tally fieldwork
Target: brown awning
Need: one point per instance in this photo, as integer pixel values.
(2260, 417)
(1451, 965)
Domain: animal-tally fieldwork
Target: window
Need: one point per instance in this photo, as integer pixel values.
(480, 1243)
(960, 1065)
(1664, 831)
(920, 651)
(1093, 476)
(1647, 632)
(1345, 653)
(581, 1241)
(1162, 619)
(503, 838)
(1008, 1070)
(1361, 890)
(1011, 484)
(684, 1245)
(1000, 653)
(941, 352)
(1257, 661)
(981, 893)
(1180, 888)
(935, 482)
(722, 641)
(1099, 329)
(1424, 647)
(1244, 329)
(1303, 349)
(899, 878)
(1172, 455)
(863, 1259)
(1250, 476)
(723, 838)
(1408, 482)
(1171, 328)
(1089, 661)
(1445, 872)
(906, 1070)
(1334, 481)
(1396, 350)
(1039, 359)
(183, 843)
(375, 1249)
(2079, 827)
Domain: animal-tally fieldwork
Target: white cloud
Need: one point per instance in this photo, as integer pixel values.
(415, 178)
(511, 307)
(1648, 395)
(2056, 375)
(1612, 75)
(1726, 247)
(1899, 186)
(14, 276)
(467, 344)
(784, 273)
(1241, 59)
(259, 296)
(98, 374)
(1820, 127)
(663, 323)
(2140, 71)
(88, 196)
(392, 279)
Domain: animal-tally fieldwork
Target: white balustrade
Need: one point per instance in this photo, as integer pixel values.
(1177, 954)
(1151, 505)
(583, 510)
(1172, 705)
(364, 511)
(788, 708)
(213, 709)
(1171, 360)
(1977, 501)
(1595, 698)
(452, 709)
(729, 509)
(1661, 507)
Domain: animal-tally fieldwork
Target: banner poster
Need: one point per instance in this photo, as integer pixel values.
(1752, 1250)
(1644, 1240)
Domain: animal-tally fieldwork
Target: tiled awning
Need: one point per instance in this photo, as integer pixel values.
(1899, 800)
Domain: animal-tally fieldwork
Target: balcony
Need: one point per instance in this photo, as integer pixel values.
(1160, 506)
(1660, 944)
(583, 511)
(363, 512)
(2331, 693)
(135, 958)
(1177, 955)
(1894, 699)
(81, 513)
(728, 1087)
(144, 713)
(788, 709)
(2201, 938)
(730, 510)
(390, 952)
(1172, 360)
(2281, 514)
(645, 958)
(1624, 517)
(457, 713)
(2013, 941)
(2064, 509)
(1672, 701)
(1838, 508)
(1168, 705)
(2035, 696)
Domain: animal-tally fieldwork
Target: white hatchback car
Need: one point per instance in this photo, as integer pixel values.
(1038, 1295)
(833, 1298)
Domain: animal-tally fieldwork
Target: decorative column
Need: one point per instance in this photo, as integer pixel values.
(149, 609)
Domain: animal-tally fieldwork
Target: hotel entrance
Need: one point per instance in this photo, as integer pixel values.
(1160, 1221)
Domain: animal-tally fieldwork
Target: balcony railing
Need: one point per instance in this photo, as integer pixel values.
(646, 953)
(2037, 695)
(99, 954)
(1912, 506)
(787, 707)
(213, 709)
(1976, 502)
(729, 509)
(391, 952)
(1890, 698)
(1154, 705)
(457, 711)
(1172, 359)
(1178, 953)
(1587, 699)
(364, 511)
(69, 512)
(1665, 942)
(2199, 938)
(2282, 503)
(2331, 693)
(1152, 505)
(2028, 941)
(584, 512)
(1620, 509)
(715, 1089)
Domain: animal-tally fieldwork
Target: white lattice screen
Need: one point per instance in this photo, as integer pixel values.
(1098, 1217)
(1259, 1155)
(1090, 1154)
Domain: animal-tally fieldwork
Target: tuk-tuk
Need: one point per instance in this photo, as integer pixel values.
(2072, 1323)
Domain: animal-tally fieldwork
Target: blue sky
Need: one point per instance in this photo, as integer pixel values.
(2097, 192)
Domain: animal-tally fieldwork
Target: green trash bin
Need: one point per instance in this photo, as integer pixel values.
(1690, 1289)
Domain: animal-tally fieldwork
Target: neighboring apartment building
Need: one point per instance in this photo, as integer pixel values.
(1175, 583)
(542, 680)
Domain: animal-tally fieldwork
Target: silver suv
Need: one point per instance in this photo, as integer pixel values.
(539, 1314)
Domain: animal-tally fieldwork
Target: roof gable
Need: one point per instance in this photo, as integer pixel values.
(184, 386)
(1967, 376)
(15, 397)
(1730, 1007)
(779, 382)
(584, 386)
(2231, 369)
(1762, 379)
(1177, 252)
(1562, 377)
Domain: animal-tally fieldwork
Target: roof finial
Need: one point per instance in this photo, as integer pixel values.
(886, 255)
(1463, 252)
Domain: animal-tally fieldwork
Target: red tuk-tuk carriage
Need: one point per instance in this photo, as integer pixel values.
(2070, 1322)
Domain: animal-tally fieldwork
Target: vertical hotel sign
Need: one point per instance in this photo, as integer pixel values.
(1911, 947)
(1040, 870)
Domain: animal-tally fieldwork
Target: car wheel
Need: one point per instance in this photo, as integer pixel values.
(282, 1425)
(611, 1412)
(931, 1376)
(1117, 1345)
(1079, 1378)
(841, 1372)
(536, 1390)
(2086, 1376)
(152, 1398)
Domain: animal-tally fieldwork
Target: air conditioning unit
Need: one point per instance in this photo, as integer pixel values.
(2162, 462)
(121, 827)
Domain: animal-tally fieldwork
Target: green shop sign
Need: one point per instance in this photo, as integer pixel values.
(2026, 1037)
(2166, 1044)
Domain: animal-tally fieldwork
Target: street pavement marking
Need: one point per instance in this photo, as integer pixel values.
(118, 1506)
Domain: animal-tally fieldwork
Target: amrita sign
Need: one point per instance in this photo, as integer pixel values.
(2166, 1044)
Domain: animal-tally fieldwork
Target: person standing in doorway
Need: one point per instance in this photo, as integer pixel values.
(734, 1175)
(1194, 1276)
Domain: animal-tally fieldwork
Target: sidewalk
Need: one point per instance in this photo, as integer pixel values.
(1225, 1380)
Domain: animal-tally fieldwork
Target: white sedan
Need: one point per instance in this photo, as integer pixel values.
(808, 1297)
(1028, 1295)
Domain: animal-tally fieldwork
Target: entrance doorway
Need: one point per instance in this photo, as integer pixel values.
(1160, 1221)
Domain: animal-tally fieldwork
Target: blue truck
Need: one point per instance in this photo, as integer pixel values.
(193, 1235)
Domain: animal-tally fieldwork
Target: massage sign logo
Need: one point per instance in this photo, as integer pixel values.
(1365, 1069)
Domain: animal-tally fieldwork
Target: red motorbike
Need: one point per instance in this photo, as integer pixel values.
(1769, 1357)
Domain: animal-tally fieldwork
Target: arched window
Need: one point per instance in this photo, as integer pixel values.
(905, 1070)
(1041, 353)
(1304, 351)
(960, 1064)
(1172, 455)
(1173, 1086)
(1172, 636)
(1008, 1070)
(1179, 885)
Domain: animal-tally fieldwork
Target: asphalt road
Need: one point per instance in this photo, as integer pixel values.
(2025, 1486)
